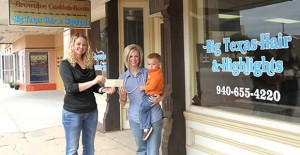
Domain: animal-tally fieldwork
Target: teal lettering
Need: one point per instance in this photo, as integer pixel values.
(49, 20)
(18, 19)
(33, 20)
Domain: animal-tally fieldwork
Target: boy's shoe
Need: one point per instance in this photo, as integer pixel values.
(147, 134)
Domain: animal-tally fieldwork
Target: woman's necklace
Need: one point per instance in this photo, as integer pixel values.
(133, 72)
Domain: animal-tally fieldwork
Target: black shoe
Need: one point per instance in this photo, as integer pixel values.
(147, 134)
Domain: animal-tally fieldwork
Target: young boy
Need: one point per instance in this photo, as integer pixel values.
(154, 86)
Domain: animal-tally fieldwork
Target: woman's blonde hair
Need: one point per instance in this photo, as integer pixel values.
(128, 50)
(87, 57)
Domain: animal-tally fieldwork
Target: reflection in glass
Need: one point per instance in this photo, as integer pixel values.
(133, 26)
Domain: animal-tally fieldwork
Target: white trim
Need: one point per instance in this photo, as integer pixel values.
(188, 67)
(210, 127)
(261, 121)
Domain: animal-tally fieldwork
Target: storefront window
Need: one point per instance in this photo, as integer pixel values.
(7, 70)
(99, 45)
(133, 26)
(100, 56)
(245, 55)
(39, 67)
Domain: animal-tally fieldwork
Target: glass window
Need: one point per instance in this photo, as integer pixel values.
(133, 26)
(100, 56)
(100, 51)
(7, 67)
(245, 56)
(39, 67)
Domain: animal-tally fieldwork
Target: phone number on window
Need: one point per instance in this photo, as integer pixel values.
(261, 94)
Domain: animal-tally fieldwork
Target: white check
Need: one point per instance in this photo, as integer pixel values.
(113, 83)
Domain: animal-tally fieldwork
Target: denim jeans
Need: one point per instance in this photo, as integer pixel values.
(152, 145)
(74, 123)
(145, 113)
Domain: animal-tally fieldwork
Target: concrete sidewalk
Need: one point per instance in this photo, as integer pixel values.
(31, 125)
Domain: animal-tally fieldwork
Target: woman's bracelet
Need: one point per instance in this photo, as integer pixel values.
(122, 100)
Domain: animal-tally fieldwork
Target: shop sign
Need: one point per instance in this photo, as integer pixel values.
(248, 66)
(49, 13)
(100, 58)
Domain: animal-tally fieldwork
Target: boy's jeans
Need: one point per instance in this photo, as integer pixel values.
(74, 123)
(145, 113)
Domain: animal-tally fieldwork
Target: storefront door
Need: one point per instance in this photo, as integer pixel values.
(132, 28)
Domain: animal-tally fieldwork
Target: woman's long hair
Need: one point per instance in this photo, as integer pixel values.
(87, 57)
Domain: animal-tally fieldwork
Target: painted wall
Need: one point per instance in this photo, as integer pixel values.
(19, 44)
(36, 43)
(39, 41)
(59, 49)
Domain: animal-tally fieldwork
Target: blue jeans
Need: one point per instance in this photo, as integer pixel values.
(145, 112)
(74, 123)
(152, 144)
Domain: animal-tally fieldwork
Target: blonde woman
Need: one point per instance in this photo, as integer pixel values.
(80, 112)
(134, 77)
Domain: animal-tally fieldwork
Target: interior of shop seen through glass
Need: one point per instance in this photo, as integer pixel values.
(245, 56)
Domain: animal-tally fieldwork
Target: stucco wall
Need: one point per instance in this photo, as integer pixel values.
(59, 48)
(38, 43)
(34, 42)
(18, 44)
